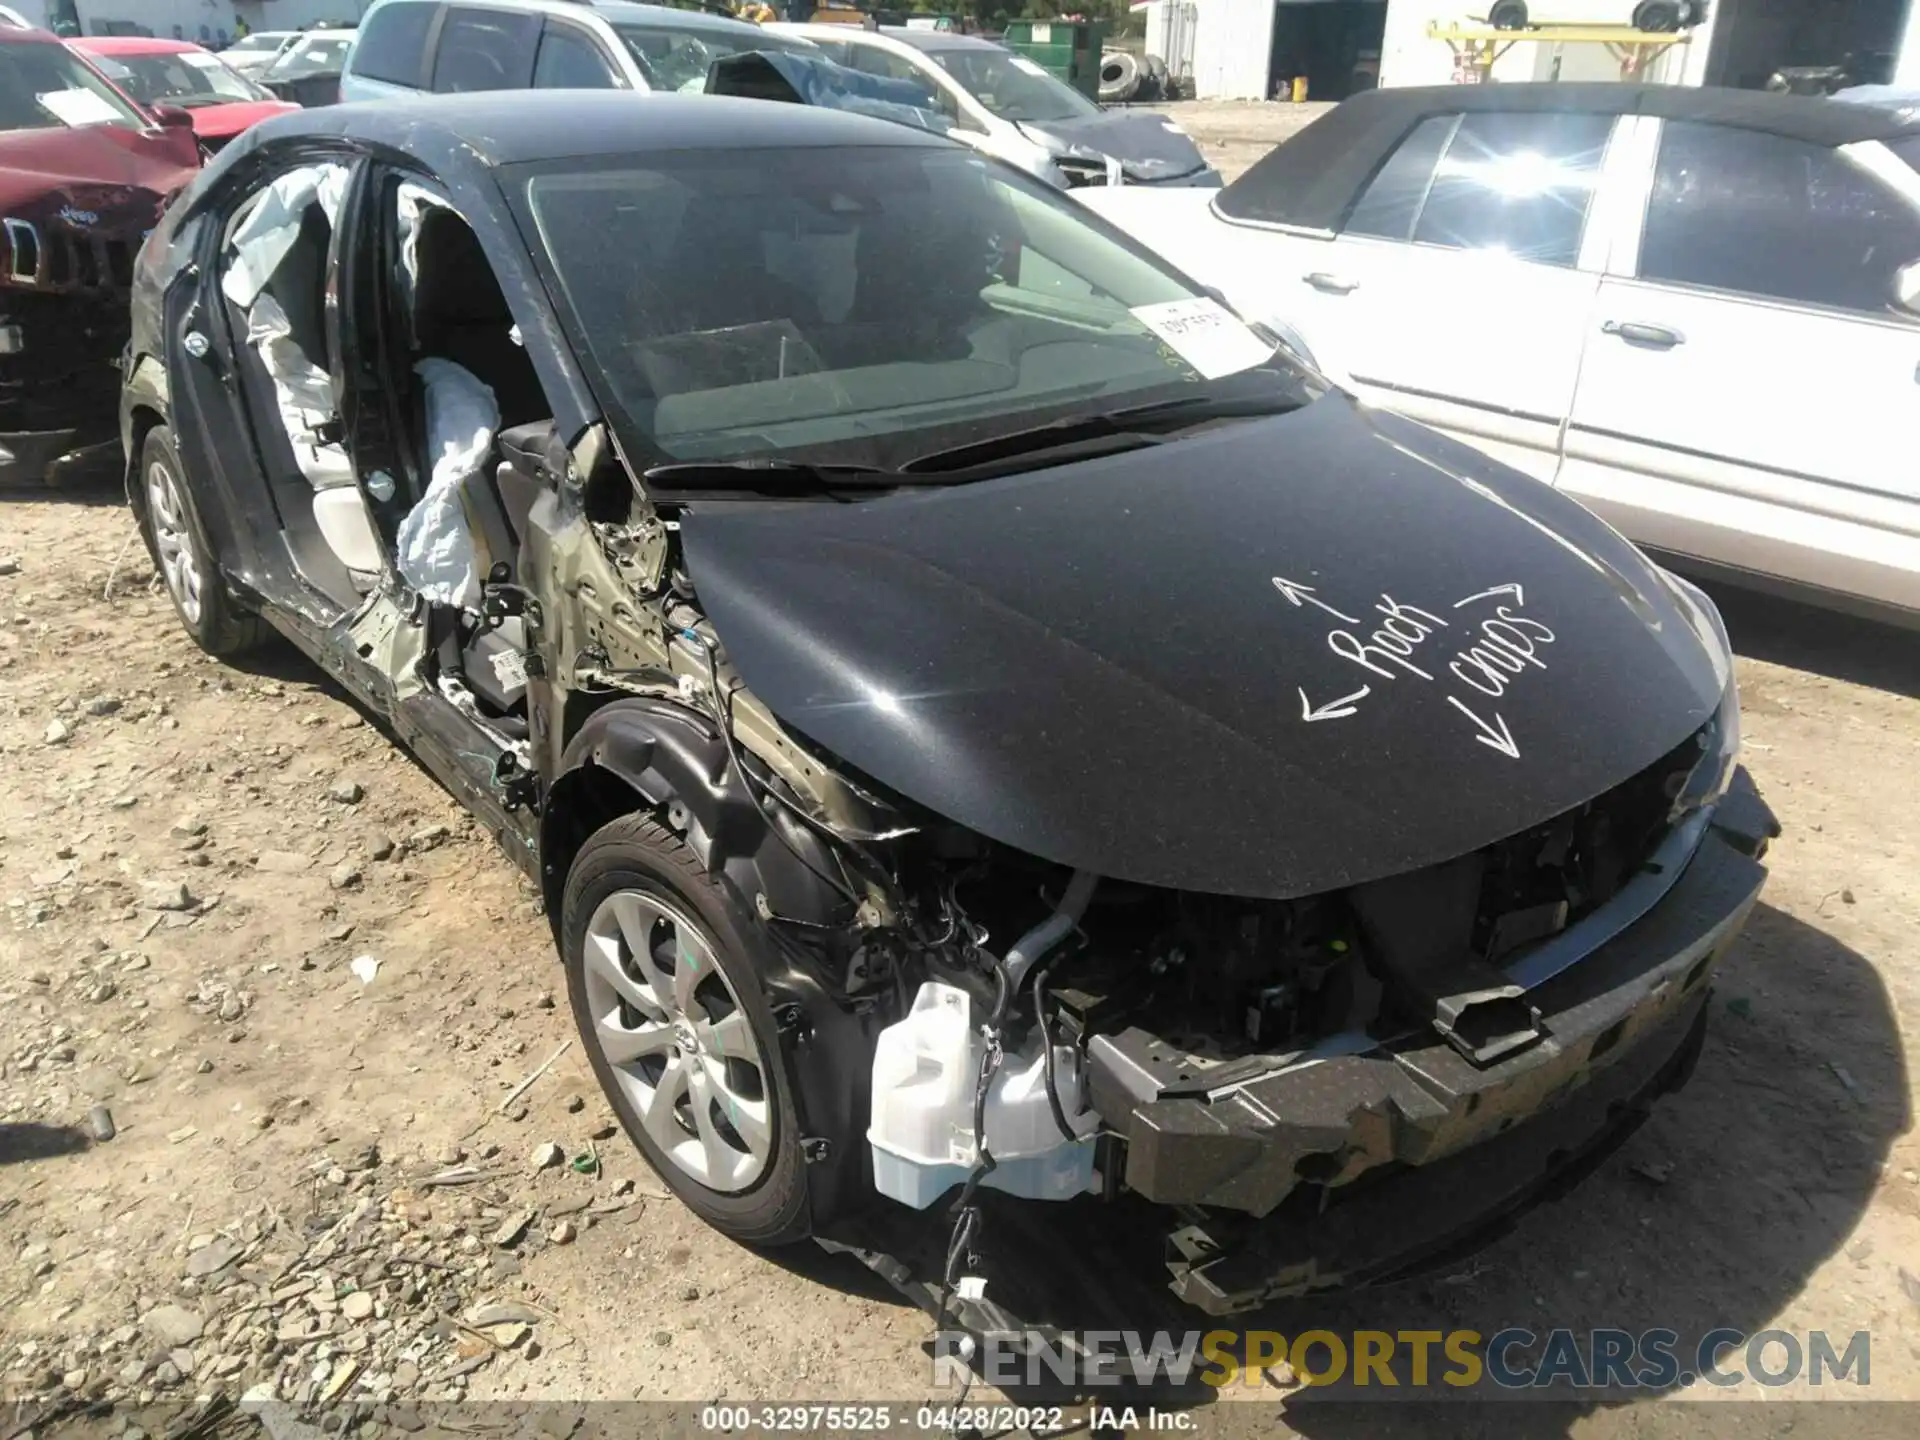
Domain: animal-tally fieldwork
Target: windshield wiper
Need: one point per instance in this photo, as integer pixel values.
(766, 475)
(1127, 428)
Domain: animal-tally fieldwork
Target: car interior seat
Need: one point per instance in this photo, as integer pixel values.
(297, 363)
(461, 314)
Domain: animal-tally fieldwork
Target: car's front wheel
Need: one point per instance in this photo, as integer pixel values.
(178, 542)
(1508, 15)
(664, 977)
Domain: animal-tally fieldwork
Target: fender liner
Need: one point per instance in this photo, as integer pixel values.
(673, 759)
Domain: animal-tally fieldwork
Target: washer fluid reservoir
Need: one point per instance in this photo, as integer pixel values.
(926, 1068)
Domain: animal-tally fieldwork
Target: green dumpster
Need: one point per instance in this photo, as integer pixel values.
(1066, 50)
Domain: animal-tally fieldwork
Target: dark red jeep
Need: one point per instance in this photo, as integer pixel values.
(84, 174)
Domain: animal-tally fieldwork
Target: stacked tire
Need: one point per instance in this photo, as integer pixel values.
(1121, 74)
(1128, 79)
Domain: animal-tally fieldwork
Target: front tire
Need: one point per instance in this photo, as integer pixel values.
(178, 543)
(1657, 17)
(663, 972)
(1508, 15)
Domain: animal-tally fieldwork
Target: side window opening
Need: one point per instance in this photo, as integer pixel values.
(1513, 184)
(1520, 185)
(1390, 205)
(485, 50)
(1835, 234)
(569, 60)
(393, 42)
(274, 273)
(472, 392)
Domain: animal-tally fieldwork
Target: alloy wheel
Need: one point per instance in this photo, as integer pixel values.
(173, 539)
(677, 1039)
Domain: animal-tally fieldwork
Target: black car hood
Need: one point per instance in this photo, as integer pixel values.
(1183, 665)
(1143, 143)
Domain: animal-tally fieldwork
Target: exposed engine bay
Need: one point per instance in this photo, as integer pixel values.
(992, 987)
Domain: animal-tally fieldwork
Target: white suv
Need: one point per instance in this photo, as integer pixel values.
(411, 46)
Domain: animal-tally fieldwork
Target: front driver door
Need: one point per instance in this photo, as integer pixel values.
(222, 404)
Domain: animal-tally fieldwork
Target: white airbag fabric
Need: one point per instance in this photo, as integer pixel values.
(268, 232)
(436, 550)
(302, 392)
(413, 202)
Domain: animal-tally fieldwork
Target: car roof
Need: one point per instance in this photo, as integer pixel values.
(132, 45)
(622, 12)
(328, 34)
(13, 35)
(1310, 180)
(936, 39)
(825, 30)
(580, 124)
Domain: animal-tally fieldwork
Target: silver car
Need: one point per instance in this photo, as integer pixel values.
(1007, 106)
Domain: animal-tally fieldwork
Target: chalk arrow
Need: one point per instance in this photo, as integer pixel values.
(1519, 595)
(1333, 709)
(1495, 736)
(1298, 595)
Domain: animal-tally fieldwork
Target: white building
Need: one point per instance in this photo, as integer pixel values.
(1252, 49)
(198, 20)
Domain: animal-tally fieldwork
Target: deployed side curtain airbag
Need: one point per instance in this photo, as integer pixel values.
(268, 232)
(412, 202)
(436, 549)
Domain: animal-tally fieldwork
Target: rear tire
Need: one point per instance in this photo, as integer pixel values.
(178, 543)
(663, 973)
(1508, 15)
(1657, 17)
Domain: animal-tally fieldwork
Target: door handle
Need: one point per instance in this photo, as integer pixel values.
(1654, 337)
(1331, 284)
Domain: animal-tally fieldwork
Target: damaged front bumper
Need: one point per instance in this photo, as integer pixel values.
(1350, 1162)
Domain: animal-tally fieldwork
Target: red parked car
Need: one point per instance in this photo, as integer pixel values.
(221, 100)
(84, 176)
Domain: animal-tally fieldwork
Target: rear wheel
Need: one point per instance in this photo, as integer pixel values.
(1658, 17)
(178, 542)
(1508, 15)
(664, 976)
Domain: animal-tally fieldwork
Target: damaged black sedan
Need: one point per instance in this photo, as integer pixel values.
(981, 716)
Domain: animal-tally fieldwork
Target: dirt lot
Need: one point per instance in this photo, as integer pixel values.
(305, 989)
(1235, 133)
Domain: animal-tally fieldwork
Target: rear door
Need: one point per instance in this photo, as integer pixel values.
(1459, 286)
(482, 49)
(1749, 394)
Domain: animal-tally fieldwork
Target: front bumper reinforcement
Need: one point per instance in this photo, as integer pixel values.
(1342, 1165)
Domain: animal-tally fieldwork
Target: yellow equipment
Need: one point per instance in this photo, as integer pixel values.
(1476, 47)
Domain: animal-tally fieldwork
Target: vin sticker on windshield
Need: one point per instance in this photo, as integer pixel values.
(1205, 335)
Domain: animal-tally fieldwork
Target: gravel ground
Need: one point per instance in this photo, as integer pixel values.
(268, 1001)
